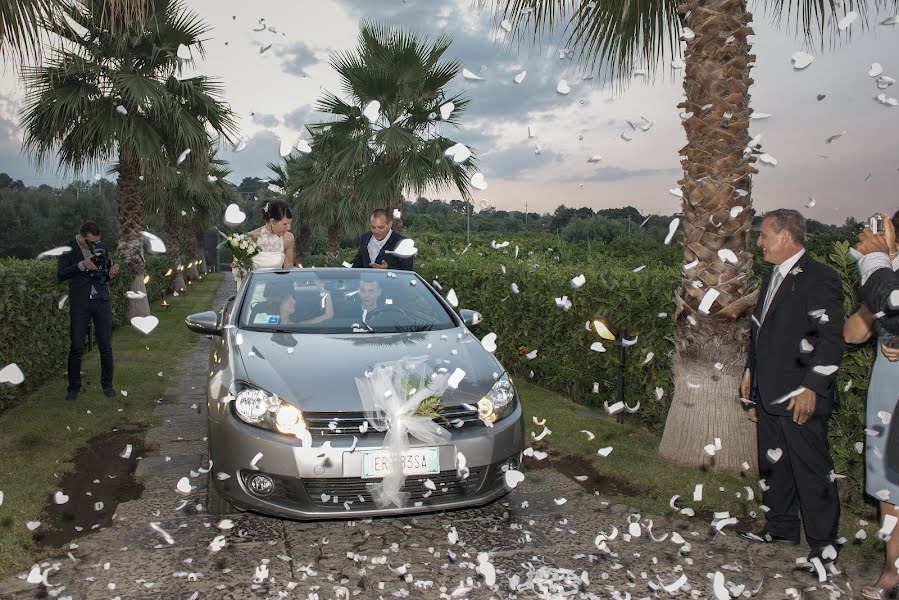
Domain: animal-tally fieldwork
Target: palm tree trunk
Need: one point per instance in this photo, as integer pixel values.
(173, 250)
(189, 250)
(192, 272)
(304, 235)
(710, 348)
(332, 246)
(129, 212)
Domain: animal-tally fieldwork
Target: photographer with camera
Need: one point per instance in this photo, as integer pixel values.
(88, 267)
(877, 253)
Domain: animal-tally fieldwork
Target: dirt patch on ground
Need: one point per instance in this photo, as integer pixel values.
(100, 475)
(573, 466)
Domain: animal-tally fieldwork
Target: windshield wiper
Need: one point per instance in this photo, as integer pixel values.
(268, 330)
(415, 328)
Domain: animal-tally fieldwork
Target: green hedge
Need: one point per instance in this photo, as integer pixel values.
(530, 320)
(34, 332)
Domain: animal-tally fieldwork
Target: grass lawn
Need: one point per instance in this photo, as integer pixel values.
(649, 482)
(39, 437)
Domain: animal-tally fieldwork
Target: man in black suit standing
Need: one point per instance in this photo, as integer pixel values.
(376, 246)
(795, 348)
(88, 269)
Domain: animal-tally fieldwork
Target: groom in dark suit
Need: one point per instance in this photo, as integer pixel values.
(88, 269)
(796, 345)
(375, 247)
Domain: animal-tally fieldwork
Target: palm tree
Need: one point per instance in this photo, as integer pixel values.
(104, 96)
(188, 204)
(21, 21)
(329, 203)
(214, 196)
(618, 35)
(400, 149)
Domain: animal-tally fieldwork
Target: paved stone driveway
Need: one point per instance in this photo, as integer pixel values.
(537, 547)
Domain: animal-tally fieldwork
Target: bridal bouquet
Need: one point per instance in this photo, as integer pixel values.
(244, 248)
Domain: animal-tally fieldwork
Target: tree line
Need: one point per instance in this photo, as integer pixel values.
(38, 218)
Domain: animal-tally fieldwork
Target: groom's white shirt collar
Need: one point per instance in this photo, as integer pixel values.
(375, 245)
(787, 265)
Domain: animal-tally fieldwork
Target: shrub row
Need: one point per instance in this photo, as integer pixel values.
(34, 331)
(640, 303)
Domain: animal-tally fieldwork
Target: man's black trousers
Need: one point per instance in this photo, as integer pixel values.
(80, 315)
(800, 480)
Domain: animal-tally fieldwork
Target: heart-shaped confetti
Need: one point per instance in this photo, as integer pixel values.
(446, 109)
(455, 379)
(405, 249)
(452, 298)
(489, 342)
(145, 324)
(478, 182)
(672, 229)
(372, 110)
(848, 20)
(184, 486)
(563, 87)
(513, 478)
(774, 454)
(11, 374)
(801, 60)
(60, 498)
(459, 153)
(58, 251)
(234, 216)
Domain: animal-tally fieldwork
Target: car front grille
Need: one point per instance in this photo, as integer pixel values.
(332, 493)
(348, 423)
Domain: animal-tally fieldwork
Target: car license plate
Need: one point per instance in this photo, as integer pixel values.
(416, 461)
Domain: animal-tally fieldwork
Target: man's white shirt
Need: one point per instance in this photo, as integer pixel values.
(375, 246)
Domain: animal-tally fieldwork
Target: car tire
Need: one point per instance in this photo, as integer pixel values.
(215, 502)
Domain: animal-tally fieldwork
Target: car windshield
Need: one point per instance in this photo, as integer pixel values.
(341, 301)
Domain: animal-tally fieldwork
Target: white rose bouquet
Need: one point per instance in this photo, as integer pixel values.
(244, 248)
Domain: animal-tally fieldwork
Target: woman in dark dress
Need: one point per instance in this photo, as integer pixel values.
(881, 469)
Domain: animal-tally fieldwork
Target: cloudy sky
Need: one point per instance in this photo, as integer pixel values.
(274, 92)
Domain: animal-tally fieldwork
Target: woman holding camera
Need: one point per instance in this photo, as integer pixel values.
(881, 468)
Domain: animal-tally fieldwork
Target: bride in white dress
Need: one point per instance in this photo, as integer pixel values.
(276, 243)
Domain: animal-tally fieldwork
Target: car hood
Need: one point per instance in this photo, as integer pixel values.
(317, 372)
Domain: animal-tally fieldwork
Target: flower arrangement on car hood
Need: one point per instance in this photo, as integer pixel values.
(402, 398)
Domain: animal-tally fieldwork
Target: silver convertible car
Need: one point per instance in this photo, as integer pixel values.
(288, 433)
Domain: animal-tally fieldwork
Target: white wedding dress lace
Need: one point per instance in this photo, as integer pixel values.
(270, 255)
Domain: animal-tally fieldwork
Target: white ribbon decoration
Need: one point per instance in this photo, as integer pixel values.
(390, 397)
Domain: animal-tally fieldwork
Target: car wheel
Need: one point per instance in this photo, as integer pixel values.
(215, 502)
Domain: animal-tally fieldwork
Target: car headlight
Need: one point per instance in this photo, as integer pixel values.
(499, 401)
(265, 410)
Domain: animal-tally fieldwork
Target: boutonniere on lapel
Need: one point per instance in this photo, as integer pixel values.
(796, 271)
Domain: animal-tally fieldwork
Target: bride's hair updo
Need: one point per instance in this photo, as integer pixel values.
(277, 210)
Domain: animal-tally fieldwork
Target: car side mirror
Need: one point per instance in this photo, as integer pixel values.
(471, 318)
(206, 322)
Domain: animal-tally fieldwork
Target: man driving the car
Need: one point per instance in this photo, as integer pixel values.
(369, 295)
